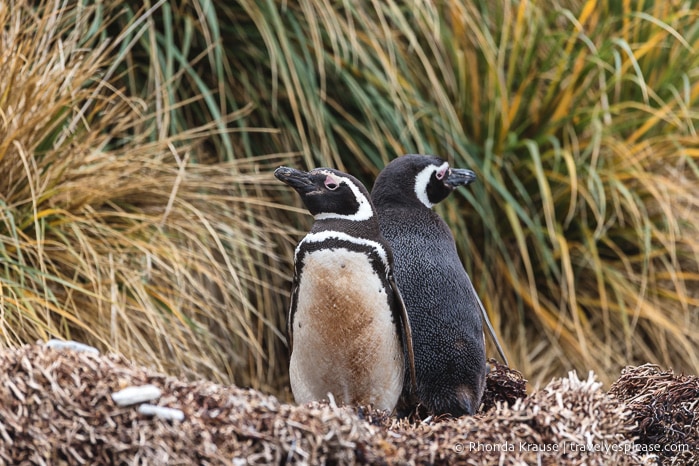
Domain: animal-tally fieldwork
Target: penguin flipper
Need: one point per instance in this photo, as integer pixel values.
(491, 330)
(292, 310)
(406, 332)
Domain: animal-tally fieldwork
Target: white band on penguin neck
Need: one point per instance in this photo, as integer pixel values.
(322, 236)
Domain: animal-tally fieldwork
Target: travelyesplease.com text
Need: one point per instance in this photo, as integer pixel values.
(566, 447)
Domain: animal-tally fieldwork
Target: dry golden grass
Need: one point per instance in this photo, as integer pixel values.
(113, 237)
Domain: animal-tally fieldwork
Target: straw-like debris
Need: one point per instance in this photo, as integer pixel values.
(665, 407)
(56, 407)
(569, 422)
(502, 385)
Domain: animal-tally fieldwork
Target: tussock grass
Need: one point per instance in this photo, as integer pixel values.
(580, 119)
(139, 212)
(109, 234)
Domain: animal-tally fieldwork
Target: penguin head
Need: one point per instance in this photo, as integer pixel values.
(418, 178)
(328, 193)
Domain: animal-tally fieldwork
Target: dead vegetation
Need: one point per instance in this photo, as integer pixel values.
(665, 407)
(56, 408)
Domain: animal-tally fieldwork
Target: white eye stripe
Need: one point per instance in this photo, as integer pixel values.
(423, 179)
(364, 212)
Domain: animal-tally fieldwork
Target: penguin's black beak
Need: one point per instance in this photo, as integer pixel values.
(297, 179)
(459, 177)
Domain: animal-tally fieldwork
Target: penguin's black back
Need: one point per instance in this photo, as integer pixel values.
(443, 310)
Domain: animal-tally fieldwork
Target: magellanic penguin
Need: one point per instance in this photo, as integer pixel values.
(348, 330)
(442, 305)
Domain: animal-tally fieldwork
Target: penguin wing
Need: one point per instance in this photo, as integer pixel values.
(488, 324)
(292, 310)
(405, 330)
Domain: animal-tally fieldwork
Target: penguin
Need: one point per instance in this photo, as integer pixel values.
(442, 305)
(349, 333)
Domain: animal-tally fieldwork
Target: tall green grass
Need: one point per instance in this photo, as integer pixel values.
(137, 143)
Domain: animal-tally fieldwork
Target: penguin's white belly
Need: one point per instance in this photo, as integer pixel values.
(345, 340)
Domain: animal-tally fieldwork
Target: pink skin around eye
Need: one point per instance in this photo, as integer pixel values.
(441, 173)
(330, 183)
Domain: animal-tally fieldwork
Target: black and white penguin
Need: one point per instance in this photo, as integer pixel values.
(349, 333)
(442, 305)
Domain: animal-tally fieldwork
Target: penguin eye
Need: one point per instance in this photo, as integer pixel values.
(331, 184)
(441, 173)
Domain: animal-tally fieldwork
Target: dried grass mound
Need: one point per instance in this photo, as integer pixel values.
(665, 407)
(502, 385)
(569, 422)
(56, 407)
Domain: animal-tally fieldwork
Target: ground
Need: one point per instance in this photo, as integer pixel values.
(56, 408)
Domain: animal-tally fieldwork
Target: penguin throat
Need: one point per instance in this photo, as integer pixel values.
(422, 181)
(330, 237)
